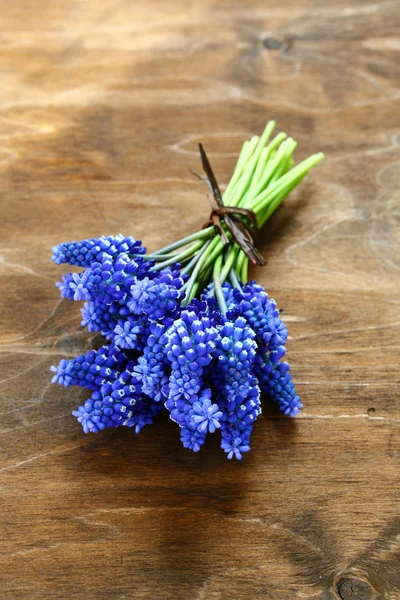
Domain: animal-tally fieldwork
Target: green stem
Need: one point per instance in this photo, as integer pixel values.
(275, 162)
(214, 249)
(156, 257)
(239, 263)
(266, 135)
(194, 260)
(259, 203)
(196, 271)
(233, 251)
(286, 162)
(201, 282)
(194, 290)
(234, 279)
(258, 183)
(203, 233)
(244, 181)
(248, 161)
(244, 270)
(205, 279)
(257, 179)
(245, 155)
(180, 257)
(217, 284)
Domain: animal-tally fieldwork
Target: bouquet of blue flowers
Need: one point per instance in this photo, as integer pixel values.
(184, 330)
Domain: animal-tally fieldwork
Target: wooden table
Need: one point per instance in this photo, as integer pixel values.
(102, 106)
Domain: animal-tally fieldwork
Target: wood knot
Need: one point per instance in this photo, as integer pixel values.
(271, 43)
(354, 588)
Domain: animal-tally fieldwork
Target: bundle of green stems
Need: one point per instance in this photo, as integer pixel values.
(264, 175)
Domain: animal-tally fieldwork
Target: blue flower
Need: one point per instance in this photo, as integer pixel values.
(206, 416)
(235, 353)
(261, 315)
(84, 252)
(76, 286)
(151, 368)
(90, 415)
(275, 334)
(193, 440)
(157, 297)
(281, 389)
(90, 318)
(153, 378)
(118, 403)
(235, 446)
(142, 293)
(276, 381)
(91, 370)
(191, 342)
(62, 373)
(128, 334)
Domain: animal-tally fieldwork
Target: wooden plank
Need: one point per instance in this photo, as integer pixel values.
(103, 105)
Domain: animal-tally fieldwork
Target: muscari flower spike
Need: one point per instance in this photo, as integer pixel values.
(184, 331)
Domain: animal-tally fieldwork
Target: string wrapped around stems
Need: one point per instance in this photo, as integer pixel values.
(242, 235)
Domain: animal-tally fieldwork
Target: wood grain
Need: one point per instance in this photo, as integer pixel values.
(103, 104)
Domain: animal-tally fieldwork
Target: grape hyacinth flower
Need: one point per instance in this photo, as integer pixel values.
(206, 416)
(184, 330)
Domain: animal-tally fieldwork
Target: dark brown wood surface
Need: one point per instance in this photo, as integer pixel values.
(102, 106)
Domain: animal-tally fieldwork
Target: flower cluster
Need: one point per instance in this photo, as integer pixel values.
(205, 366)
(184, 330)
